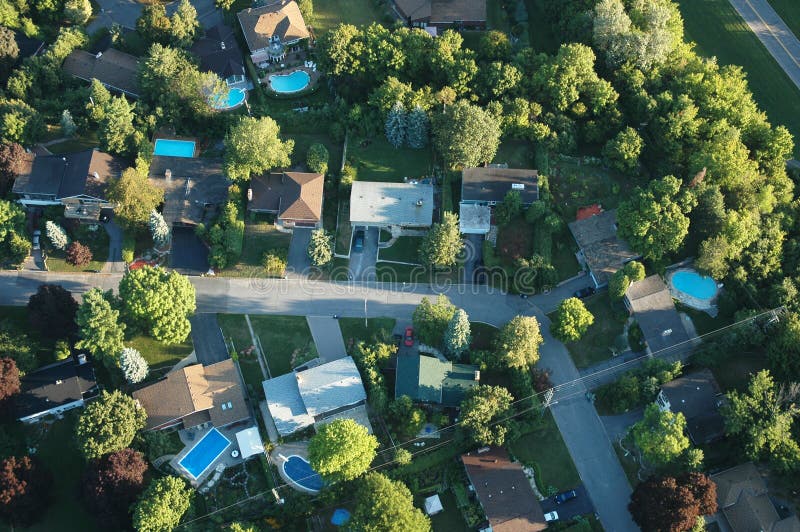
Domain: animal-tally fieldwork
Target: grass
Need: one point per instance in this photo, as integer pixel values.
(260, 236)
(496, 18)
(514, 240)
(542, 36)
(735, 372)
(629, 465)
(159, 355)
(234, 327)
(377, 329)
(596, 344)
(483, 336)
(379, 161)
(576, 186)
(303, 141)
(404, 249)
(97, 242)
(719, 31)
(789, 11)
(516, 153)
(282, 338)
(545, 448)
(450, 518)
(329, 13)
(703, 323)
(73, 145)
(253, 377)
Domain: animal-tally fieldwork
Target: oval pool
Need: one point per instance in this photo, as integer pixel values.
(234, 98)
(288, 83)
(299, 471)
(692, 283)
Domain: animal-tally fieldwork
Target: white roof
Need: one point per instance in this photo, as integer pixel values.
(474, 219)
(249, 441)
(286, 405)
(330, 386)
(433, 505)
(377, 203)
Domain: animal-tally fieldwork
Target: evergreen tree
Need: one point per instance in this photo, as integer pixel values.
(100, 328)
(320, 249)
(159, 229)
(442, 244)
(68, 126)
(418, 128)
(133, 365)
(56, 235)
(184, 24)
(457, 337)
(396, 125)
(116, 128)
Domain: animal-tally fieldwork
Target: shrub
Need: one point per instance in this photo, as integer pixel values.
(56, 234)
(275, 262)
(78, 254)
(159, 229)
(317, 158)
(128, 247)
(133, 365)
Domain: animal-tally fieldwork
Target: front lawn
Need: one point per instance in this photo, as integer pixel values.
(377, 329)
(376, 160)
(159, 355)
(404, 249)
(789, 11)
(330, 13)
(483, 336)
(282, 338)
(96, 240)
(596, 344)
(234, 328)
(260, 236)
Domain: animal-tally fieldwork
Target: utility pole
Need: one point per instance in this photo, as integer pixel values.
(365, 313)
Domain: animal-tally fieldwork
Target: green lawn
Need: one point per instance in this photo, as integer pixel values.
(575, 185)
(283, 337)
(735, 372)
(353, 329)
(73, 145)
(629, 465)
(329, 13)
(789, 11)
(234, 327)
(260, 236)
(97, 242)
(449, 519)
(545, 448)
(253, 376)
(303, 141)
(703, 323)
(596, 344)
(515, 153)
(379, 161)
(159, 355)
(404, 249)
(719, 31)
(483, 335)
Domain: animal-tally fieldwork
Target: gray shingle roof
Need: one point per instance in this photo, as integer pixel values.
(652, 305)
(286, 405)
(377, 203)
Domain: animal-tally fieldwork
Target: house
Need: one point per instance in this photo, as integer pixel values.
(651, 304)
(744, 502)
(385, 205)
(76, 180)
(312, 395)
(219, 53)
(484, 187)
(504, 491)
(195, 395)
(443, 13)
(697, 396)
(602, 252)
(194, 188)
(116, 70)
(272, 29)
(54, 389)
(427, 379)
(294, 197)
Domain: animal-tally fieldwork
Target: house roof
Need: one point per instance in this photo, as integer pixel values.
(250, 442)
(732, 482)
(69, 175)
(603, 251)
(697, 396)
(292, 195)
(219, 52)
(474, 218)
(53, 386)
(281, 19)
(504, 491)
(444, 11)
(492, 184)
(195, 190)
(655, 312)
(378, 203)
(112, 68)
(286, 404)
(430, 380)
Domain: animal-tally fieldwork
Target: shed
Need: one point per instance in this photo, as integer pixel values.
(250, 443)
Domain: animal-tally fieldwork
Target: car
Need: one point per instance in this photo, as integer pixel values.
(584, 292)
(398, 339)
(551, 516)
(565, 496)
(36, 236)
(358, 240)
(409, 337)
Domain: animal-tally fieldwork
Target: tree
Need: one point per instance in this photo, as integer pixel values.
(396, 125)
(306, 9)
(660, 435)
(153, 24)
(320, 248)
(9, 378)
(442, 243)
(622, 279)
(418, 128)
(13, 246)
(224, 5)
(783, 348)
(135, 197)
(51, 311)
(275, 262)
(494, 46)
(342, 450)
(481, 413)
(624, 149)
(162, 505)
(158, 301)
(116, 132)
(184, 24)
(109, 424)
(571, 321)
(111, 485)
(78, 11)
(253, 146)
(402, 456)
(667, 504)
(517, 343)
(99, 98)
(431, 319)
(385, 505)
(68, 126)
(465, 134)
(78, 254)
(12, 161)
(158, 228)
(100, 328)
(406, 419)
(25, 490)
(457, 337)
(9, 51)
(56, 234)
(62, 349)
(510, 207)
(18, 347)
(317, 158)
(133, 365)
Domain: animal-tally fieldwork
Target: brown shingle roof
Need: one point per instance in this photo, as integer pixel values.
(225, 388)
(603, 251)
(292, 195)
(113, 68)
(86, 172)
(195, 190)
(281, 19)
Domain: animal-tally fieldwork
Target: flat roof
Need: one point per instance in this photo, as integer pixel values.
(474, 218)
(379, 203)
(492, 183)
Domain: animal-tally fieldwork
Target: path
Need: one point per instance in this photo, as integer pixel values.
(327, 337)
(259, 355)
(773, 33)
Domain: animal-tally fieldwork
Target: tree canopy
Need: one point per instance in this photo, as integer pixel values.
(661, 435)
(162, 505)
(572, 320)
(99, 327)
(253, 146)
(465, 134)
(517, 343)
(342, 450)
(457, 337)
(111, 485)
(432, 319)
(25, 490)
(483, 412)
(667, 504)
(52, 310)
(442, 243)
(9, 378)
(109, 424)
(135, 197)
(385, 505)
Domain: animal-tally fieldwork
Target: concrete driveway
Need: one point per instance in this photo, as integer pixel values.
(125, 13)
(327, 337)
(580, 505)
(362, 263)
(209, 344)
(474, 256)
(298, 263)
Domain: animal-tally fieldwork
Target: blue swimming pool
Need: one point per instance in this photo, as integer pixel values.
(204, 452)
(286, 83)
(233, 98)
(174, 148)
(299, 470)
(692, 283)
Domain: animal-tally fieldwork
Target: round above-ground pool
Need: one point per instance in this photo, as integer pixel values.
(299, 471)
(234, 98)
(695, 285)
(289, 83)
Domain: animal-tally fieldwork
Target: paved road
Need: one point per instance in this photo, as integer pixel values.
(327, 337)
(773, 32)
(209, 344)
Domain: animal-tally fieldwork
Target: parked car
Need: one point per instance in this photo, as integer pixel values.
(565, 496)
(584, 292)
(398, 339)
(358, 240)
(551, 516)
(36, 235)
(409, 337)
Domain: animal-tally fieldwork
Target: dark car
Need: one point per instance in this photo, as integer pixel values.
(409, 337)
(358, 240)
(565, 496)
(584, 292)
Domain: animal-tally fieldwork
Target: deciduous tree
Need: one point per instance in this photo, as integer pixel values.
(133, 365)
(116, 132)
(317, 158)
(342, 450)
(51, 311)
(385, 505)
(406, 418)
(109, 424)
(320, 248)
(509, 208)
(457, 336)
(78, 254)
(572, 320)
(465, 134)
(9, 378)
(431, 319)
(481, 413)
(100, 328)
(111, 485)
(517, 343)
(25, 490)
(162, 505)
(442, 243)
(253, 145)
(14, 247)
(153, 24)
(78, 11)
(135, 197)
(12, 160)
(184, 24)
(9, 51)
(661, 435)
(667, 504)
(624, 149)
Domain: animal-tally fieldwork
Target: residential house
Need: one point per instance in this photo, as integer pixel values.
(55, 389)
(116, 70)
(76, 180)
(219, 53)
(313, 395)
(443, 14)
(697, 396)
(387, 205)
(272, 30)
(427, 379)
(504, 491)
(744, 502)
(651, 304)
(195, 395)
(194, 188)
(294, 197)
(484, 187)
(602, 252)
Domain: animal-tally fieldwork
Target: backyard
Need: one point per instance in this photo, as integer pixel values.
(575, 185)
(330, 13)
(376, 160)
(602, 336)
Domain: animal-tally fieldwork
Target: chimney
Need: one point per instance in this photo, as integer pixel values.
(168, 174)
(81, 359)
(419, 203)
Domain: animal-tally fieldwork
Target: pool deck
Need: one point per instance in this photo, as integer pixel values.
(286, 450)
(313, 75)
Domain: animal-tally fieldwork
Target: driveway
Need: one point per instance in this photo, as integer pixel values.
(327, 337)
(298, 263)
(473, 248)
(114, 263)
(580, 505)
(362, 263)
(209, 344)
(189, 255)
(618, 425)
(125, 13)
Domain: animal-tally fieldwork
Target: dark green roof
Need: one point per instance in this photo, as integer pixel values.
(429, 380)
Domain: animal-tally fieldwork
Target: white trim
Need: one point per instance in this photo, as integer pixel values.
(53, 411)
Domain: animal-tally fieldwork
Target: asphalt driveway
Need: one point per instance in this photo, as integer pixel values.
(189, 255)
(362, 263)
(473, 246)
(209, 344)
(580, 505)
(298, 262)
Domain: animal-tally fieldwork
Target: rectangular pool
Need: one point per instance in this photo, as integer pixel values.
(204, 452)
(174, 148)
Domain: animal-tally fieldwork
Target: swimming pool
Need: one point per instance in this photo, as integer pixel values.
(174, 148)
(288, 83)
(234, 98)
(695, 285)
(204, 452)
(299, 471)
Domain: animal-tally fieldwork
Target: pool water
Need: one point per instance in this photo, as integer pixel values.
(174, 148)
(204, 453)
(299, 470)
(286, 83)
(232, 99)
(692, 283)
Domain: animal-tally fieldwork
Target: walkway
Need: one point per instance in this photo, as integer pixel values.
(327, 337)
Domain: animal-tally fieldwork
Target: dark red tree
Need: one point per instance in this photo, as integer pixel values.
(24, 490)
(12, 159)
(666, 504)
(111, 485)
(78, 254)
(704, 490)
(9, 378)
(51, 310)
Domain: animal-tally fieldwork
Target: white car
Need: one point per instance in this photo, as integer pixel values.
(552, 516)
(36, 235)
